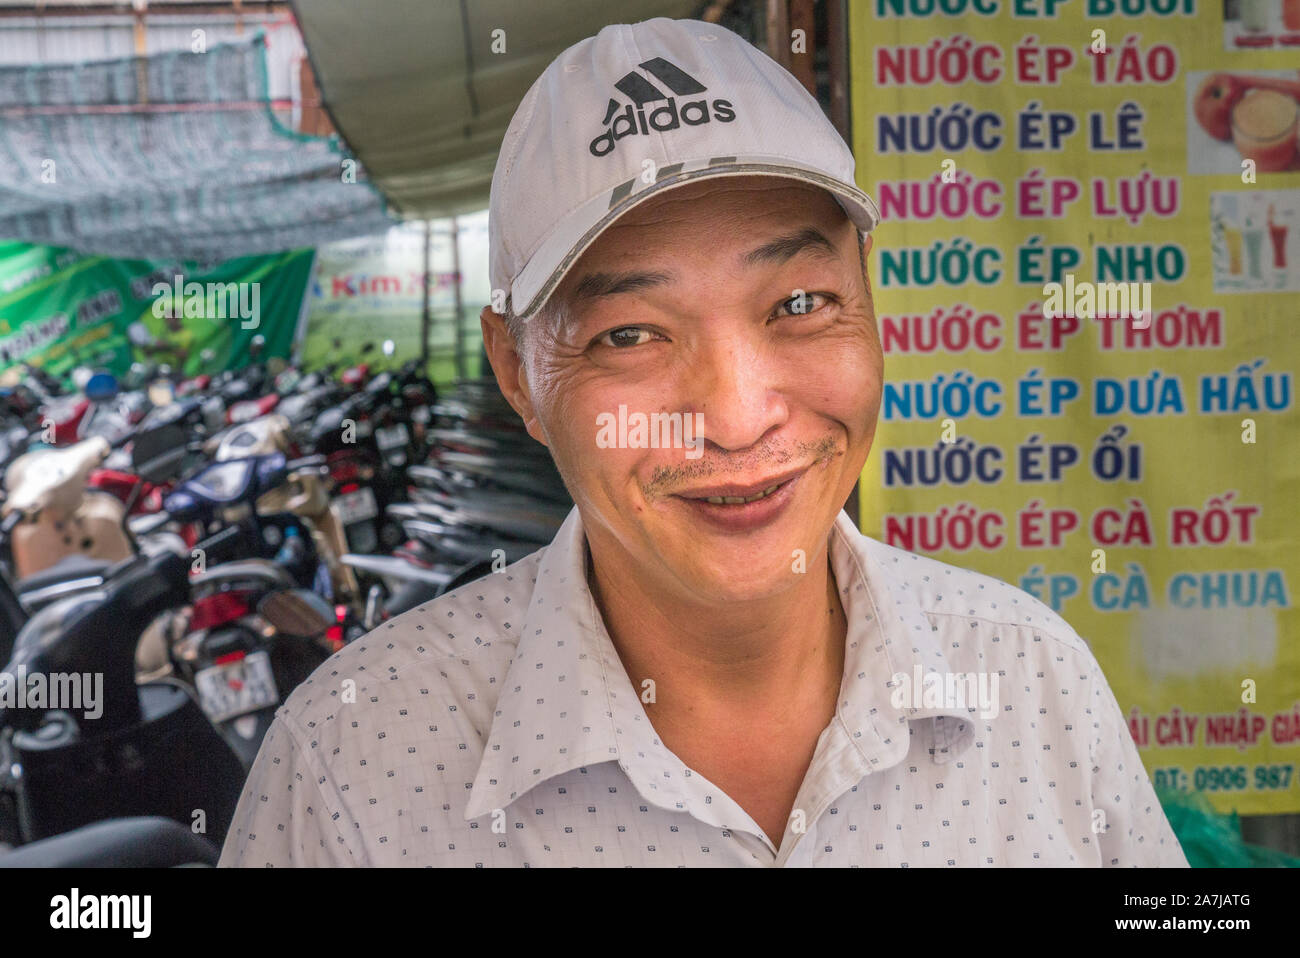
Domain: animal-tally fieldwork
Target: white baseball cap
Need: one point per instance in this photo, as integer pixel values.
(636, 110)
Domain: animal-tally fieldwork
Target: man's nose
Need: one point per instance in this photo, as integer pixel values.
(734, 384)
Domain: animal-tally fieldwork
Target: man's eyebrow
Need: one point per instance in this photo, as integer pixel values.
(594, 285)
(785, 248)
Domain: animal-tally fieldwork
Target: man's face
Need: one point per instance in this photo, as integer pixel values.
(738, 299)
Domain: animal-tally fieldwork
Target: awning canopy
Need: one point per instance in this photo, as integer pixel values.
(421, 98)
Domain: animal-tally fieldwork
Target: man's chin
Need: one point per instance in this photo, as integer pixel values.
(730, 567)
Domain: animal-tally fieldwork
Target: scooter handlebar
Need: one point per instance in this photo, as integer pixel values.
(11, 522)
(306, 462)
(151, 523)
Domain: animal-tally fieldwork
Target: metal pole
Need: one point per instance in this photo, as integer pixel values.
(777, 23)
(455, 285)
(799, 15)
(837, 28)
(426, 317)
(141, 33)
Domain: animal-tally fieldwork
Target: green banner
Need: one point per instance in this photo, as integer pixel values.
(60, 309)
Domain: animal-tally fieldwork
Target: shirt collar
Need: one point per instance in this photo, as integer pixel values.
(889, 635)
(565, 649)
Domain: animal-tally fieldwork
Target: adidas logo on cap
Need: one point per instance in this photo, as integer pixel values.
(633, 119)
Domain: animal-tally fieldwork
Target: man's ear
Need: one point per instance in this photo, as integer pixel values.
(508, 367)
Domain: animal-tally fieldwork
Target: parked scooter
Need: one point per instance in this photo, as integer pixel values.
(487, 495)
(61, 518)
(61, 534)
(111, 750)
(304, 494)
(254, 632)
(252, 637)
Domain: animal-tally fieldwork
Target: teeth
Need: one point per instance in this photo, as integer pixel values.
(737, 500)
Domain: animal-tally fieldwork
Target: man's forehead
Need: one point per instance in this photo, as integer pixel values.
(810, 224)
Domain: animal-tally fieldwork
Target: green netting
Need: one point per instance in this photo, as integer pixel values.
(176, 155)
(1211, 840)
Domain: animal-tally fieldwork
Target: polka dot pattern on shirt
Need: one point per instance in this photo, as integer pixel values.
(496, 726)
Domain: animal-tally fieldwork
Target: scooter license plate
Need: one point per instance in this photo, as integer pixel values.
(355, 506)
(236, 688)
(363, 536)
(392, 438)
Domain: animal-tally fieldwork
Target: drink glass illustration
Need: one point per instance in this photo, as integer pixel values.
(1291, 14)
(1254, 15)
(1232, 237)
(1277, 236)
(1264, 129)
(1253, 235)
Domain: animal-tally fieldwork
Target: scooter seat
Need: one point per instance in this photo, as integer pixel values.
(98, 632)
(66, 569)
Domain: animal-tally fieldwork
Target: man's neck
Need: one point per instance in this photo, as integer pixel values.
(762, 660)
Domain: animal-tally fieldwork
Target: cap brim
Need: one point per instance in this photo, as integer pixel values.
(571, 237)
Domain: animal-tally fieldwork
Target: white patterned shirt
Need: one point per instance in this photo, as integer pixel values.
(496, 726)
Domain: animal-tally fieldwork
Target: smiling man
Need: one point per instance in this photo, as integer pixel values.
(710, 665)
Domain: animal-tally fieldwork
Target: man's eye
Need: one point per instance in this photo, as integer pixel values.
(626, 336)
(801, 304)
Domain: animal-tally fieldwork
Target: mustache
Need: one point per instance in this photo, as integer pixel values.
(664, 479)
